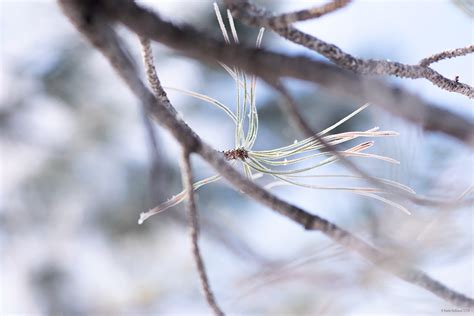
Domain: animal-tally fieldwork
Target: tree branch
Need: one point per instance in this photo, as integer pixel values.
(262, 63)
(302, 15)
(150, 70)
(96, 28)
(302, 124)
(186, 172)
(314, 222)
(446, 55)
(89, 19)
(295, 116)
(257, 16)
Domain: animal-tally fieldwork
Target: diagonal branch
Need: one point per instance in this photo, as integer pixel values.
(295, 116)
(302, 15)
(262, 63)
(303, 125)
(186, 172)
(193, 220)
(214, 230)
(253, 15)
(314, 222)
(446, 55)
(96, 27)
(97, 30)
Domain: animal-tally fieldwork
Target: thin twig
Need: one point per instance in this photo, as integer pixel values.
(159, 93)
(186, 172)
(446, 55)
(95, 28)
(300, 121)
(155, 155)
(262, 63)
(309, 221)
(307, 14)
(254, 15)
(91, 21)
(150, 70)
(291, 110)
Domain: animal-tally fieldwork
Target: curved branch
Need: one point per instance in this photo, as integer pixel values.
(150, 70)
(257, 16)
(97, 30)
(186, 172)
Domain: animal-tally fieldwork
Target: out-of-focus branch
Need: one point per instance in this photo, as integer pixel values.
(302, 124)
(467, 6)
(96, 28)
(231, 242)
(290, 108)
(253, 15)
(193, 220)
(262, 63)
(156, 163)
(92, 23)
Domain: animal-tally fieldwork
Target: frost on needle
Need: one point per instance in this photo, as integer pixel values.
(283, 164)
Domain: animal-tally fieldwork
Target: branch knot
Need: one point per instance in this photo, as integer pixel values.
(238, 153)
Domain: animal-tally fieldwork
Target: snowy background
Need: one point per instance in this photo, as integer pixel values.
(76, 173)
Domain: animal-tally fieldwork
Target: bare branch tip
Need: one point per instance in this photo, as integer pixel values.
(143, 217)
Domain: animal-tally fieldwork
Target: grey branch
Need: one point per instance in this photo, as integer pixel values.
(291, 109)
(295, 116)
(260, 62)
(339, 235)
(96, 28)
(186, 172)
(447, 54)
(302, 15)
(150, 70)
(253, 15)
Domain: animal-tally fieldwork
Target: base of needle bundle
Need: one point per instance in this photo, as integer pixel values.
(238, 153)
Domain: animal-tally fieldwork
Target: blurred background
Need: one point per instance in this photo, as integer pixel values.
(77, 169)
